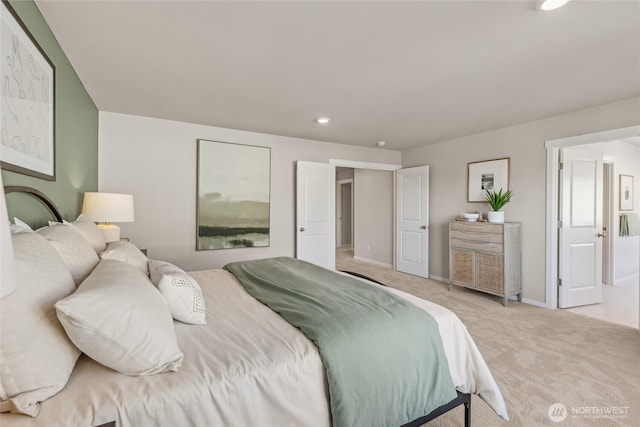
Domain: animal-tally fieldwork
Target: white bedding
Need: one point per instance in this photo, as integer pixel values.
(246, 367)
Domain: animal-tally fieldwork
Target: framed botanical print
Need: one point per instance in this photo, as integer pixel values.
(625, 188)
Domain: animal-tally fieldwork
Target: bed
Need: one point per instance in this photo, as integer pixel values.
(245, 366)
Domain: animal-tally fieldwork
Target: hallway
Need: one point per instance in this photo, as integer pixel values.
(619, 305)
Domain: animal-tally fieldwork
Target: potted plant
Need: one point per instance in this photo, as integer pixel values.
(497, 202)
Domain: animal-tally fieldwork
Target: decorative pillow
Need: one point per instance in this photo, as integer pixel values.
(120, 320)
(19, 226)
(75, 251)
(182, 292)
(89, 230)
(37, 357)
(127, 252)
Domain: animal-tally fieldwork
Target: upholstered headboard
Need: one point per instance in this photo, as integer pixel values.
(39, 196)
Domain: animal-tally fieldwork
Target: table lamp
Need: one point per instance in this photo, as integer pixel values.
(106, 208)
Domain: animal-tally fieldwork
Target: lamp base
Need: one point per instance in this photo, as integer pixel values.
(110, 232)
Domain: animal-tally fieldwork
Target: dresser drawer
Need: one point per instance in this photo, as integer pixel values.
(477, 246)
(476, 227)
(477, 237)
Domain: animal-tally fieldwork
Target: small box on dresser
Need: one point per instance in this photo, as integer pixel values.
(486, 257)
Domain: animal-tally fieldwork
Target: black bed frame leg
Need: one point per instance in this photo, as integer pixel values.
(461, 399)
(467, 413)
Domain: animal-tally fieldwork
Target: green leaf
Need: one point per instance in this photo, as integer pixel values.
(499, 199)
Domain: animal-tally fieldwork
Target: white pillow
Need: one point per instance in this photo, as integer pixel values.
(120, 320)
(75, 251)
(89, 230)
(37, 357)
(20, 226)
(127, 252)
(182, 292)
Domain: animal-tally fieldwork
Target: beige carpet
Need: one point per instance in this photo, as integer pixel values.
(538, 357)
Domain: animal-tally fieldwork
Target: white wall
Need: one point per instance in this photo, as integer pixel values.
(155, 160)
(524, 144)
(373, 215)
(344, 173)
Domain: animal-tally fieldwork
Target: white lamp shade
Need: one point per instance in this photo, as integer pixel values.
(8, 280)
(108, 207)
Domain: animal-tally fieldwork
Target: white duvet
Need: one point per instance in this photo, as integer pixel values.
(246, 367)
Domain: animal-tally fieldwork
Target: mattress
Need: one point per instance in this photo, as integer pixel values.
(247, 366)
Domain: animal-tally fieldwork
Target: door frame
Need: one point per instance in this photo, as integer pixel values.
(553, 148)
(608, 248)
(339, 184)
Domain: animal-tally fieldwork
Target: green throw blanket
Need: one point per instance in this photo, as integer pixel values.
(383, 356)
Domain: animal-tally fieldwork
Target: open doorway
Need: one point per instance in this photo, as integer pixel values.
(344, 208)
(621, 268)
(619, 278)
(364, 215)
(345, 213)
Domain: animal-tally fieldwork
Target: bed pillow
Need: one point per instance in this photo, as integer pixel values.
(120, 320)
(37, 357)
(89, 230)
(127, 252)
(20, 226)
(75, 251)
(182, 292)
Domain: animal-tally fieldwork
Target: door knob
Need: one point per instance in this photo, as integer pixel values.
(301, 228)
(604, 232)
(424, 227)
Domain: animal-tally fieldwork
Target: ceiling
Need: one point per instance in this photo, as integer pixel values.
(409, 73)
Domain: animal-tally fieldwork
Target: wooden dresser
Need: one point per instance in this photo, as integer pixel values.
(486, 257)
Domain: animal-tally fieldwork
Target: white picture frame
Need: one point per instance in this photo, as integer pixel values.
(486, 174)
(27, 120)
(625, 191)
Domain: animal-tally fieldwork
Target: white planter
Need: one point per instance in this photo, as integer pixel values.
(495, 217)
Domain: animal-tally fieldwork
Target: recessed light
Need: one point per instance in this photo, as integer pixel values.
(547, 5)
(323, 120)
(381, 143)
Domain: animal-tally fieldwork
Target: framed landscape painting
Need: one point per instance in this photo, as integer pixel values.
(233, 195)
(27, 108)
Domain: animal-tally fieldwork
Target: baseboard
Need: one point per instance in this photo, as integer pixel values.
(438, 278)
(370, 261)
(534, 302)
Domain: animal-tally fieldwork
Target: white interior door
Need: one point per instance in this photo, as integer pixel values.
(315, 213)
(580, 235)
(412, 221)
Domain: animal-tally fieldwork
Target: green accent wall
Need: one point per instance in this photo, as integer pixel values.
(76, 135)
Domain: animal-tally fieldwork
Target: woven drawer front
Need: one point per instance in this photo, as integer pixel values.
(462, 266)
(476, 227)
(477, 237)
(490, 270)
(478, 246)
